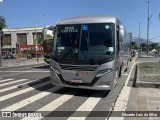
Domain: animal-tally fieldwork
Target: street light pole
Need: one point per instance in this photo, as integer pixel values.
(36, 42)
(148, 23)
(1, 34)
(140, 37)
(36, 35)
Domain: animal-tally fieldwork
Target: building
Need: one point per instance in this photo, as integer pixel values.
(22, 40)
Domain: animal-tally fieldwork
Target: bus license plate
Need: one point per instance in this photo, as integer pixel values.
(77, 80)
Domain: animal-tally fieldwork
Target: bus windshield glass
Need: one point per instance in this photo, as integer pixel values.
(91, 43)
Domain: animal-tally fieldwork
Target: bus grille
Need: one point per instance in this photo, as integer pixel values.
(79, 67)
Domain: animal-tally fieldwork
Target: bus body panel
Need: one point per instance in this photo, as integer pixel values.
(97, 76)
(89, 81)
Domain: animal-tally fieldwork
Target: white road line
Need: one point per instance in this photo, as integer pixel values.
(2, 98)
(13, 82)
(25, 71)
(13, 87)
(121, 103)
(29, 100)
(54, 104)
(4, 80)
(129, 74)
(88, 105)
(125, 74)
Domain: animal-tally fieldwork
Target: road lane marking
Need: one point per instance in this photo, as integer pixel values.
(13, 87)
(121, 102)
(129, 75)
(29, 100)
(57, 102)
(88, 105)
(134, 59)
(4, 80)
(54, 104)
(125, 74)
(5, 97)
(25, 71)
(4, 84)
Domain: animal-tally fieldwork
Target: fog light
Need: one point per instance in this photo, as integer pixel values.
(103, 72)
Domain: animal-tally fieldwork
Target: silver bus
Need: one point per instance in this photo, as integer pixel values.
(89, 52)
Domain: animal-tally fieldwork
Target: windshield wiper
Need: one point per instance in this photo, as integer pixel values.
(92, 60)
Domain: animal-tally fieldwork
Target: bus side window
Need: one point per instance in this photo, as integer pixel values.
(117, 43)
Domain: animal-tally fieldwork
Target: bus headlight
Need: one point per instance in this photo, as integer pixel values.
(103, 72)
(55, 69)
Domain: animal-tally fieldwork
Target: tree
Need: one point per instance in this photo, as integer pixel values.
(154, 46)
(2, 22)
(2, 25)
(48, 36)
(134, 45)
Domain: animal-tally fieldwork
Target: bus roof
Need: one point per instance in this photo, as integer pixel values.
(88, 19)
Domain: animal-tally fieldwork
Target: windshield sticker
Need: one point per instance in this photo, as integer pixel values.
(111, 49)
(69, 30)
(60, 48)
(107, 27)
(85, 27)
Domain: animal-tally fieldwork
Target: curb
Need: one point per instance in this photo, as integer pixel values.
(135, 76)
(148, 85)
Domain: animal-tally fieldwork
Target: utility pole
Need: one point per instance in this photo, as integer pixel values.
(148, 23)
(140, 37)
(36, 35)
(1, 36)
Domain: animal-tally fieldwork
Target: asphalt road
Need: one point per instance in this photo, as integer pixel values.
(29, 89)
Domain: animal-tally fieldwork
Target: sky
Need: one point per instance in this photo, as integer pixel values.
(132, 13)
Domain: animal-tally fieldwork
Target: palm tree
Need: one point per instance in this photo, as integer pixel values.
(2, 25)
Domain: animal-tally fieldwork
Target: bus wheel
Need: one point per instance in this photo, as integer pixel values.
(120, 72)
(126, 67)
(115, 79)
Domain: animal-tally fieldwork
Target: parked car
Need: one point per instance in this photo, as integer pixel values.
(9, 56)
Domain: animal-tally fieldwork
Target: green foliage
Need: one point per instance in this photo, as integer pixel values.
(134, 46)
(40, 41)
(154, 46)
(48, 36)
(2, 22)
(143, 45)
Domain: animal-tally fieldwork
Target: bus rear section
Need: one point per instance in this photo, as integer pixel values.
(86, 54)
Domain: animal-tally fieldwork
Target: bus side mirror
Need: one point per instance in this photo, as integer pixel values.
(47, 32)
(121, 33)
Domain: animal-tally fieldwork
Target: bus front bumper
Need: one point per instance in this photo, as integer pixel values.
(105, 82)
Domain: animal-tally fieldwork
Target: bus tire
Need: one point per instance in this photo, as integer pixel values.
(126, 67)
(120, 72)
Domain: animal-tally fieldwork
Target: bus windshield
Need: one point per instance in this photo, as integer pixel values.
(91, 43)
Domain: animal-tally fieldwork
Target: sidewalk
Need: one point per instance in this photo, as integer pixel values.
(140, 97)
(20, 62)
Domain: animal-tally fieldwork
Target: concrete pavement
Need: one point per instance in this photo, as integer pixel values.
(20, 62)
(136, 100)
(132, 99)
